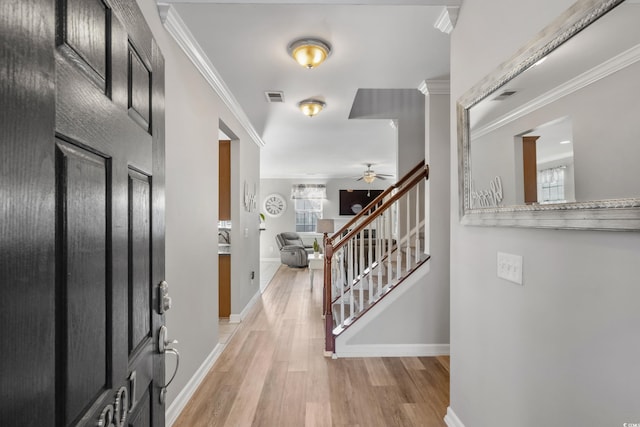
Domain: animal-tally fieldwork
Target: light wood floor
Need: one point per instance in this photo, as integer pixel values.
(273, 373)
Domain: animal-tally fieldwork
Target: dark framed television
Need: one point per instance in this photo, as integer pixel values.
(353, 201)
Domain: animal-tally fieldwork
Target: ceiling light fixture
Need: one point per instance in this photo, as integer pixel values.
(311, 107)
(309, 52)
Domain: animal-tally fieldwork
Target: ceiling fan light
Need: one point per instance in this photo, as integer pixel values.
(309, 53)
(368, 178)
(311, 107)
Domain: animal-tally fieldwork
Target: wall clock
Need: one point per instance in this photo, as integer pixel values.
(275, 205)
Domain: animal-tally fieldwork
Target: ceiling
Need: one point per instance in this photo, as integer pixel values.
(376, 44)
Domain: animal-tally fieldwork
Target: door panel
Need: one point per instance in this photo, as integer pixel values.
(139, 89)
(83, 335)
(139, 260)
(85, 30)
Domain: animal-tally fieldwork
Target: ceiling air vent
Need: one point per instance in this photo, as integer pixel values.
(504, 95)
(273, 96)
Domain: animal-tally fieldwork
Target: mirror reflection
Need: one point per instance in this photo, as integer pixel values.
(568, 128)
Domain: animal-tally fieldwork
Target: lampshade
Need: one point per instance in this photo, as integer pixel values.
(368, 178)
(311, 107)
(309, 52)
(325, 226)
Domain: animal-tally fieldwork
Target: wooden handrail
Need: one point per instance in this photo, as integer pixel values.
(377, 200)
(386, 205)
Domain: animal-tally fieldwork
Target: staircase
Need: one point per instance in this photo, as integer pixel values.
(374, 253)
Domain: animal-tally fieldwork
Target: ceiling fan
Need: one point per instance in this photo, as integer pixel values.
(370, 175)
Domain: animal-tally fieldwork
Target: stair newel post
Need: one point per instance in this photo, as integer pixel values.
(327, 297)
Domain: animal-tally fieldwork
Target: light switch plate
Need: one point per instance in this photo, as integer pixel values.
(510, 267)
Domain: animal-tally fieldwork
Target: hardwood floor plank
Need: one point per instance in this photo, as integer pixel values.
(244, 407)
(269, 405)
(406, 386)
(378, 373)
(272, 373)
(317, 379)
(420, 415)
(318, 414)
(412, 363)
(444, 361)
(294, 403)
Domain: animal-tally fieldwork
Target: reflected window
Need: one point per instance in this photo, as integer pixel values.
(551, 185)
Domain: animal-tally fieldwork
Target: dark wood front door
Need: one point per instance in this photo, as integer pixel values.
(82, 231)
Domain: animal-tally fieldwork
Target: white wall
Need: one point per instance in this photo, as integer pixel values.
(192, 113)
(245, 234)
(562, 349)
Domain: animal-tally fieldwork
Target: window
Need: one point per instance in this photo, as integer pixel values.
(308, 205)
(308, 212)
(551, 185)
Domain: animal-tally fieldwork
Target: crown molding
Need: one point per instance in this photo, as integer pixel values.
(601, 71)
(434, 87)
(447, 19)
(187, 42)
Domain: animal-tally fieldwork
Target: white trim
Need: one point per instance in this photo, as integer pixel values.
(173, 411)
(435, 87)
(394, 350)
(187, 42)
(451, 419)
(238, 318)
(447, 19)
(598, 72)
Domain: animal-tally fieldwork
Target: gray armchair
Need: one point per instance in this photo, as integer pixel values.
(293, 251)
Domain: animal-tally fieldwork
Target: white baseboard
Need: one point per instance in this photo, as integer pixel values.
(451, 419)
(181, 400)
(238, 318)
(393, 350)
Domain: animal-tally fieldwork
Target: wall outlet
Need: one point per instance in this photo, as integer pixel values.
(510, 267)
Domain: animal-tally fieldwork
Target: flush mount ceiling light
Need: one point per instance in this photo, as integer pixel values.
(309, 52)
(311, 107)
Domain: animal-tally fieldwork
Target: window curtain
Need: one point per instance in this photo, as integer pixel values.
(551, 176)
(308, 191)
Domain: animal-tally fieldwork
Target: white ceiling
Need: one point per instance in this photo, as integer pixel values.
(377, 44)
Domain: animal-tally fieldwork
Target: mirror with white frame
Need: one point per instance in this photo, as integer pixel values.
(552, 137)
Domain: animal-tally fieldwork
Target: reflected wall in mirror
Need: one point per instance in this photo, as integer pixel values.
(557, 127)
